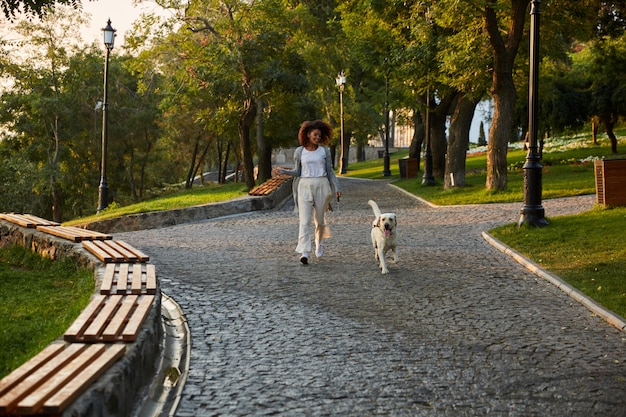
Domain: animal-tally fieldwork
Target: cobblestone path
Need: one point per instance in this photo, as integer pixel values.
(456, 328)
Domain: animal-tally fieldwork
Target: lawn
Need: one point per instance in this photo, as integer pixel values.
(39, 300)
(585, 250)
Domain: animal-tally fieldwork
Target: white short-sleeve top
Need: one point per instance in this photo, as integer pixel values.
(313, 163)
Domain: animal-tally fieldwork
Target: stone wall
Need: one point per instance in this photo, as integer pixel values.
(165, 218)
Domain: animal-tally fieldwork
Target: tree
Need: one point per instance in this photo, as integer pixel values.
(242, 48)
(37, 106)
(482, 141)
(30, 8)
(607, 69)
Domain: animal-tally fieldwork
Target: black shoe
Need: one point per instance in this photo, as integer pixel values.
(304, 260)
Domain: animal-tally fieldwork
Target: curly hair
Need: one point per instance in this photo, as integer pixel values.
(307, 126)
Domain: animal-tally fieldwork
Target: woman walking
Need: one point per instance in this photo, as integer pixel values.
(314, 185)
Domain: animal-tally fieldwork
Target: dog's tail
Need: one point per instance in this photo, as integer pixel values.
(374, 206)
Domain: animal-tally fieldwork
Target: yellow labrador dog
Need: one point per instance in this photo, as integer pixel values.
(383, 235)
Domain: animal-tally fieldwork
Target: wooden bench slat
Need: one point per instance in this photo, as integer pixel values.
(84, 319)
(121, 316)
(15, 377)
(107, 279)
(88, 234)
(10, 217)
(32, 403)
(137, 280)
(66, 395)
(97, 251)
(26, 220)
(107, 246)
(39, 220)
(139, 315)
(122, 251)
(60, 232)
(151, 283)
(102, 318)
(141, 257)
(123, 276)
(129, 278)
(37, 378)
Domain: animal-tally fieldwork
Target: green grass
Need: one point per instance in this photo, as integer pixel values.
(565, 173)
(209, 193)
(39, 300)
(585, 250)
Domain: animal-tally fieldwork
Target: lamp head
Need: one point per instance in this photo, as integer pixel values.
(341, 79)
(109, 35)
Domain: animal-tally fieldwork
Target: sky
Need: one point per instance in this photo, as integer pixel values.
(121, 12)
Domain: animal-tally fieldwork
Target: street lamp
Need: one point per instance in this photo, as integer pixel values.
(428, 178)
(386, 168)
(532, 212)
(341, 83)
(103, 190)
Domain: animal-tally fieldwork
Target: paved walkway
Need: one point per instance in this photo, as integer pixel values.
(456, 329)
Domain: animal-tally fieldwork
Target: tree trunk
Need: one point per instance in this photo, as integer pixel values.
(360, 152)
(57, 201)
(200, 163)
(144, 165)
(418, 137)
(131, 173)
(264, 152)
(192, 164)
(609, 125)
(499, 135)
(502, 88)
(458, 142)
(594, 132)
(224, 164)
(243, 126)
(437, 127)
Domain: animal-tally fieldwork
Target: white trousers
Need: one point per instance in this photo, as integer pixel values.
(314, 194)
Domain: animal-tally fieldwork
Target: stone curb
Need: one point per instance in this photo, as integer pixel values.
(607, 315)
(166, 389)
(165, 218)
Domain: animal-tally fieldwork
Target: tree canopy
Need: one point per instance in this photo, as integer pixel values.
(219, 85)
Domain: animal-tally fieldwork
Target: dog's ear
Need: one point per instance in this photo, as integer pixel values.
(378, 221)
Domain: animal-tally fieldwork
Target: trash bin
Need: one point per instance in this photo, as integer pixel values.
(610, 181)
(408, 167)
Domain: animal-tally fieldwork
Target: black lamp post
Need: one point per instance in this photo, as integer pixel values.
(103, 190)
(386, 170)
(341, 83)
(533, 213)
(428, 178)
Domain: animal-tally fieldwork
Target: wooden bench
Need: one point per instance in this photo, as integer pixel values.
(114, 251)
(48, 383)
(75, 234)
(26, 220)
(114, 318)
(124, 278)
(269, 186)
(52, 380)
